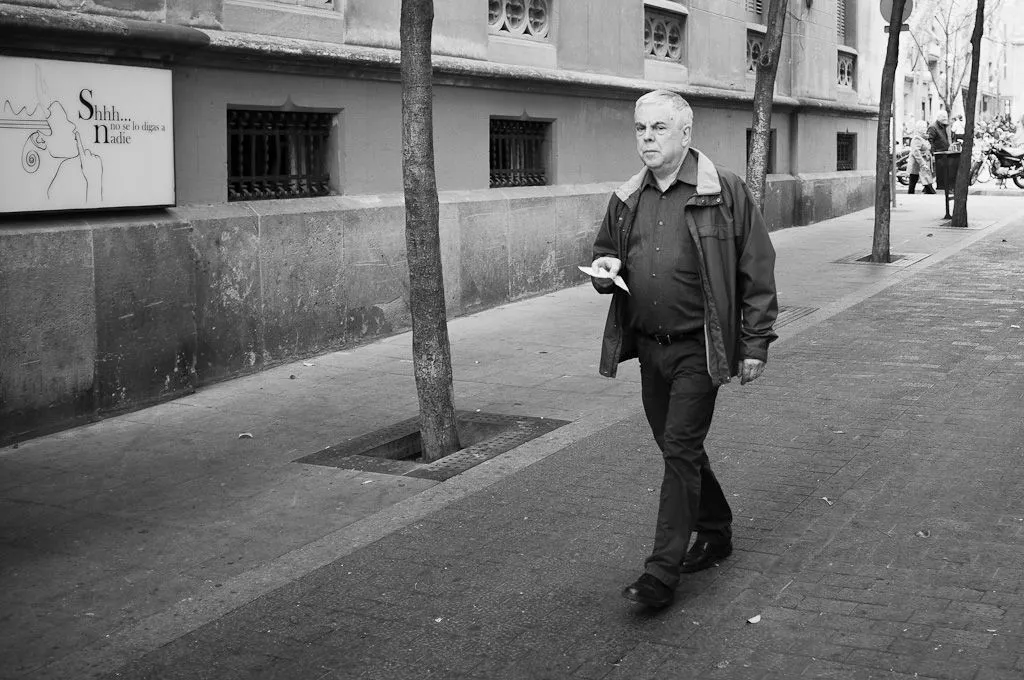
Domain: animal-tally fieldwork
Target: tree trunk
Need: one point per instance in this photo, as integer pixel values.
(431, 351)
(764, 95)
(963, 172)
(883, 154)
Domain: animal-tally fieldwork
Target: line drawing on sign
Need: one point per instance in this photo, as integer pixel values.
(54, 149)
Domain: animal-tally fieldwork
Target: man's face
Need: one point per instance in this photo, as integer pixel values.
(662, 138)
(942, 118)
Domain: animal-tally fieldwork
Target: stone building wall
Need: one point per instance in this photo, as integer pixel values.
(102, 312)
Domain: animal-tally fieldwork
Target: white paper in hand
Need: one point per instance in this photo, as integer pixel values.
(604, 274)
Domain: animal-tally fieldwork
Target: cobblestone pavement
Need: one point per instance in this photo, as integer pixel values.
(875, 474)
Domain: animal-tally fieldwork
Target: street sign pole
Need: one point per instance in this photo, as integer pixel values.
(892, 127)
(885, 7)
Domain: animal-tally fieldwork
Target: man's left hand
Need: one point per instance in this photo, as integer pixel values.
(750, 369)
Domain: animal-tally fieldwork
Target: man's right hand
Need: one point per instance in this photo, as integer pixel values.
(612, 265)
(609, 266)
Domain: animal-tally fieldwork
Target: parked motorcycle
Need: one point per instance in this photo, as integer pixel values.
(901, 159)
(1005, 165)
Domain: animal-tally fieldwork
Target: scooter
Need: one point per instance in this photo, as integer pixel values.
(1004, 165)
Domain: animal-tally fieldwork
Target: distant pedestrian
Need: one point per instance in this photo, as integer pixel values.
(693, 249)
(939, 134)
(920, 165)
(1016, 142)
(956, 128)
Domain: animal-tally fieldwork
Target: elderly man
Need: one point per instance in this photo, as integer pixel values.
(693, 249)
(939, 134)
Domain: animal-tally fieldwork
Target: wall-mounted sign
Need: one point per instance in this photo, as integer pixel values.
(77, 135)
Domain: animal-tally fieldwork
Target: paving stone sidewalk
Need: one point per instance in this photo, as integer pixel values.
(876, 477)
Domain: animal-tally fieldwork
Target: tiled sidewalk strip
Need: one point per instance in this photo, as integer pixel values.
(876, 479)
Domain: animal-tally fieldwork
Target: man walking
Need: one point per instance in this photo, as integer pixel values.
(693, 249)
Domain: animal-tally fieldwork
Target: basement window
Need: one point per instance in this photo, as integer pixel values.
(278, 154)
(519, 153)
(846, 151)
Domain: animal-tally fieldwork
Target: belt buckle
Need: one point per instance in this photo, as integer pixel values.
(665, 339)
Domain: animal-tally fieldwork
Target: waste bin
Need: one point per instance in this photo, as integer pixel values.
(946, 163)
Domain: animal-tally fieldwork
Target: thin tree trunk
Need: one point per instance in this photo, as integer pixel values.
(431, 351)
(764, 95)
(883, 154)
(963, 172)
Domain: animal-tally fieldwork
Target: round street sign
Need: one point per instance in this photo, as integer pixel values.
(886, 7)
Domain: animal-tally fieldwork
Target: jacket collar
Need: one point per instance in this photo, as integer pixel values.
(708, 183)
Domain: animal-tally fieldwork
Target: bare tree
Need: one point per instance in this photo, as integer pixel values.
(883, 155)
(964, 170)
(431, 349)
(942, 38)
(767, 67)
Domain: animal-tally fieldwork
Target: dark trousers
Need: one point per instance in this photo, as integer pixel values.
(679, 400)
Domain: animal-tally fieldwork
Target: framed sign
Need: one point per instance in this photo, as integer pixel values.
(78, 135)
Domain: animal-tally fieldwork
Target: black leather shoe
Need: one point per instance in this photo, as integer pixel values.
(704, 554)
(648, 590)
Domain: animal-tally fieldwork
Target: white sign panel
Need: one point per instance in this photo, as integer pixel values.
(77, 135)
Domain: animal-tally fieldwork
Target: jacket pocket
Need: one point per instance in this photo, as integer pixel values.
(713, 222)
(719, 228)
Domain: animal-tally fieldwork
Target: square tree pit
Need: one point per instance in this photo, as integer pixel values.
(396, 450)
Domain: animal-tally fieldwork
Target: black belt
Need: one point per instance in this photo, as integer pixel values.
(671, 338)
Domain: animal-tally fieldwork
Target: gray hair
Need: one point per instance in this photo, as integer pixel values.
(678, 104)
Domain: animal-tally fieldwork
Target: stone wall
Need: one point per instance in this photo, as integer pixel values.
(102, 315)
(107, 314)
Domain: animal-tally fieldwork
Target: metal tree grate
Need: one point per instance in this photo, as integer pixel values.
(393, 450)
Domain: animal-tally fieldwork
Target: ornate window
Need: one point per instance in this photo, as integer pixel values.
(663, 35)
(278, 154)
(519, 153)
(521, 18)
(846, 22)
(846, 151)
(847, 70)
(755, 48)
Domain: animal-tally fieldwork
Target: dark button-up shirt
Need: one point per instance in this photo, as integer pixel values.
(664, 278)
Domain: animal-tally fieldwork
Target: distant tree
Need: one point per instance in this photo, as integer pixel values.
(431, 349)
(883, 154)
(963, 172)
(766, 68)
(941, 32)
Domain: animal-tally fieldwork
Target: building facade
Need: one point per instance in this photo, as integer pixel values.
(283, 235)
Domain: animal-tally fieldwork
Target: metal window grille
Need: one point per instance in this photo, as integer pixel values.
(846, 151)
(771, 148)
(846, 70)
(277, 154)
(841, 21)
(755, 6)
(755, 47)
(663, 35)
(519, 153)
(521, 18)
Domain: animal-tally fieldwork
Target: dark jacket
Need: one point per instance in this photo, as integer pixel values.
(938, 137)
(737, 271)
